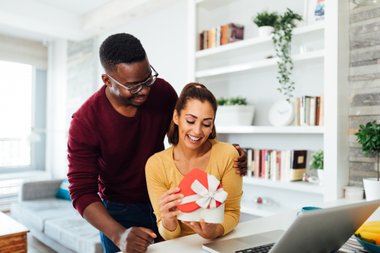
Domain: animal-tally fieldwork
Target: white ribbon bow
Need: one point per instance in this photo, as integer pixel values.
(206, 198)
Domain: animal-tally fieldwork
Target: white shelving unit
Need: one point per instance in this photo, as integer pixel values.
(270, 130)
(256, 65)
(314, 28)
(248, 68)
(293, 186)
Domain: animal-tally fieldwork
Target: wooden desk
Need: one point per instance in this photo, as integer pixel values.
(13, 238)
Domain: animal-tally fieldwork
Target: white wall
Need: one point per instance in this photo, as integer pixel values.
(163, 35)
(56, 127)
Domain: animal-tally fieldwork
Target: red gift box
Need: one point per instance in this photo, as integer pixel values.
(203, 197)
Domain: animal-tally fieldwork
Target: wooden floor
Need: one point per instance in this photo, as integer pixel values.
(35, 246)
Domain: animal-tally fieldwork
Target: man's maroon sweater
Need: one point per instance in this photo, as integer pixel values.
(107, 151)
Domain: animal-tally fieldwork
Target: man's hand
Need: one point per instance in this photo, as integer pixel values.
(240, 162)
(131, 240)
(136, 240)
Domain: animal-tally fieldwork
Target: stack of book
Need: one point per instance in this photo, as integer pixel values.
(277, 165)
(221, 35)
(309, 111)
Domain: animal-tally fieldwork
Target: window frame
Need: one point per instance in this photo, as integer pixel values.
(38, 124)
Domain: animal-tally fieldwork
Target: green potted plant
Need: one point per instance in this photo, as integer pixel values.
(316, 163)
(282, 38)
(234, 111)
(368, 136)
(232, 101)
(266, 22)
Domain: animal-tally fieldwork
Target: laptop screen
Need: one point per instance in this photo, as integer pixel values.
(324, 230)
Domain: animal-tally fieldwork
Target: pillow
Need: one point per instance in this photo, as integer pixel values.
(63, 190)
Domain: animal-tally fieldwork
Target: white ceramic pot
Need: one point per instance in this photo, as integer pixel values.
(265, 31)
(234, 115)
(371, 188)
(353, 193)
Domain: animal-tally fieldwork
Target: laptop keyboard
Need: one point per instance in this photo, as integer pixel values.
(257, 249)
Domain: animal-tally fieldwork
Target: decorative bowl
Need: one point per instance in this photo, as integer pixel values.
(369, 246)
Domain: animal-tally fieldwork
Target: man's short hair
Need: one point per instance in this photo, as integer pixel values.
(120, 48)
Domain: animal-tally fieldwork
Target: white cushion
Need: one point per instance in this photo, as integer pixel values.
(75, 231)
(34, 213)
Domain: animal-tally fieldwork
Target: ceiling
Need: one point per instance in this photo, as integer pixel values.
(43, 20)
(74, 6)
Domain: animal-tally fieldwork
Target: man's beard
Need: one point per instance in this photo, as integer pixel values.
(129, 101)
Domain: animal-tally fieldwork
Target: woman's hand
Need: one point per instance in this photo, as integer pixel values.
(168, 208)
(206, 230)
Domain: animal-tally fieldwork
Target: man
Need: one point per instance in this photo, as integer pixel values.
(110, 139)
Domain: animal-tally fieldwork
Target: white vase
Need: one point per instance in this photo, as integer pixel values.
(234, 115)
(371, 188)
(265, 31)
(353, 192)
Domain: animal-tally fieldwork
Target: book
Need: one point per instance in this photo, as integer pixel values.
(256, 162)
(278, 165)
(249, 152)
(297, 112)
(313, 109)
(221, 35)
(224, 34)
(307, 110)
(321, 111)
(237, 32)
(302, 111)
(319, 12)
(201, 40)
(317, 110)
(205, 39)
(267, 174)
(298, 168)
(285, 165)
(263, 163)
(217, 36)
(273, 165)
(211, 38)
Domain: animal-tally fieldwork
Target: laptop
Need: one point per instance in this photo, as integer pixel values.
(324, 230)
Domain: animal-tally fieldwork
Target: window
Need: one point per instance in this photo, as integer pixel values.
(20, 88)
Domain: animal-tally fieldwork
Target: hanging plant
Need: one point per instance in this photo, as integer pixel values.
(282, 38)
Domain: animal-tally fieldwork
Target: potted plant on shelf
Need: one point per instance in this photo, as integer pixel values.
(368, 136)
(234, 111)
(266, 22)
(316, 163)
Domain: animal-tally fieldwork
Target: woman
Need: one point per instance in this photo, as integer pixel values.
(192, 134)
